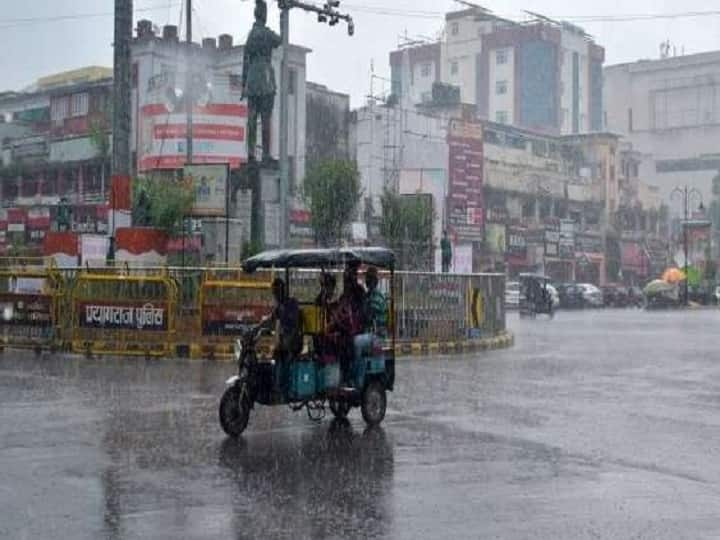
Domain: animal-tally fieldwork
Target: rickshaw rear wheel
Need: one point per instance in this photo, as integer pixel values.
(234, 413)
(374, 403)
(340, 409)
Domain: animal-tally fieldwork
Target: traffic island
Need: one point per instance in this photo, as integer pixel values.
(504, 340)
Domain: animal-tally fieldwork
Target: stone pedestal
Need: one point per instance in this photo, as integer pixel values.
(263, 184)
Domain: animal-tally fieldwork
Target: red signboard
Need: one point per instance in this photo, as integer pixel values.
(465, 189)
(229, 321)
(16, 215)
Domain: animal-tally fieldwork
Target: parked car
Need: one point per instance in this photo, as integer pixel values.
(570, 296)
(717, 295)
(512, 295)
(592, 295)
(615, 296)
(635, 297)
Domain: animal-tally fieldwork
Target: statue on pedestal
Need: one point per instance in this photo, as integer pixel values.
(258, 80)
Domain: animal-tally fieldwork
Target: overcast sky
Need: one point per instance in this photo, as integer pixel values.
(31, 49)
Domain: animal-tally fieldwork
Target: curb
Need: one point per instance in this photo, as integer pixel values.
(223, 353)
(505, 340)
(431, 348)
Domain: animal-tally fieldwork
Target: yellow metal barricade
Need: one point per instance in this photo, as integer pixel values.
(230, 301)
(124, 312)
(31, 293)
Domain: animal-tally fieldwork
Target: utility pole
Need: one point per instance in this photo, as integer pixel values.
(329, 14)
(121, 121)
(189, 98)
(121, 87)
(284, 124)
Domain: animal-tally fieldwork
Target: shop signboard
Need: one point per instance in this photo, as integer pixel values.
(465, 185)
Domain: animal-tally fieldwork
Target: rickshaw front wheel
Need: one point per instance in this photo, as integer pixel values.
(340, 409)
(234, 413)
(374, 403)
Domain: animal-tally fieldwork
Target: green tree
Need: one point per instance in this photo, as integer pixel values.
(161, 203)
(407, 227)
(332, 191)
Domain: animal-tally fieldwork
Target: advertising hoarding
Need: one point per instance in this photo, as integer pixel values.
(219, 119)
(210, 183)
(465, 186)
(495, 238)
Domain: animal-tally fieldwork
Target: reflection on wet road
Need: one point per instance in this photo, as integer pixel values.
(596, 425)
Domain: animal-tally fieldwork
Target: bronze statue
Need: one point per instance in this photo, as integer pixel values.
(258, 79)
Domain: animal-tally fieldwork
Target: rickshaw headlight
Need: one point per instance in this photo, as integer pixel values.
(237, 350)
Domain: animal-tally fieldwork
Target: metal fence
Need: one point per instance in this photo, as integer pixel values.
(201, 305)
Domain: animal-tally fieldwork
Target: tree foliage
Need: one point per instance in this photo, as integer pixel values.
(332, 191)
(407, 227)
(161, 203)
(100, 139)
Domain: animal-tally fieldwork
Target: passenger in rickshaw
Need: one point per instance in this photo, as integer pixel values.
(324, 299)
(376, 304)
(348, 319)
(285, 318)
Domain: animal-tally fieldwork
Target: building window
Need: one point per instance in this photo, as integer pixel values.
(60, 109)
(425, 70)
(501, 56)
(501, 117)
(454, 67)
(79, 104)
(528, 208)
(501, 87)
(630, 120)
(455, 29)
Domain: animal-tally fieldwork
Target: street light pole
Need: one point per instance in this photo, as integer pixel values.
(327, 13)
(189, 99)
(686, 289)
(686, 193)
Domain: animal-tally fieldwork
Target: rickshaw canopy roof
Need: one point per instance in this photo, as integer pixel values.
(321, 258)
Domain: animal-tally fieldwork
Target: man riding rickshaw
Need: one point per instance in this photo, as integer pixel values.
(347, 356)
(535, 296)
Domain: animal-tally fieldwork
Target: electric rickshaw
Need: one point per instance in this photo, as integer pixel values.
(535, 296)
(315, 379)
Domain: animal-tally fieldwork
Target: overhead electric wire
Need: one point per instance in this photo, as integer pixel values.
(29, 21)
(375, 9)
(630, 17)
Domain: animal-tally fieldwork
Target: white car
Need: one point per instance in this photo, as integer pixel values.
(592, 295)
(554, 295)
(512, 295)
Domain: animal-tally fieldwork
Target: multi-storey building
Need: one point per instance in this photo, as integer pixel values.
(669, 109)
(542, 74)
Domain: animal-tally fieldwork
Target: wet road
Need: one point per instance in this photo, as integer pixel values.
(596, 425)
